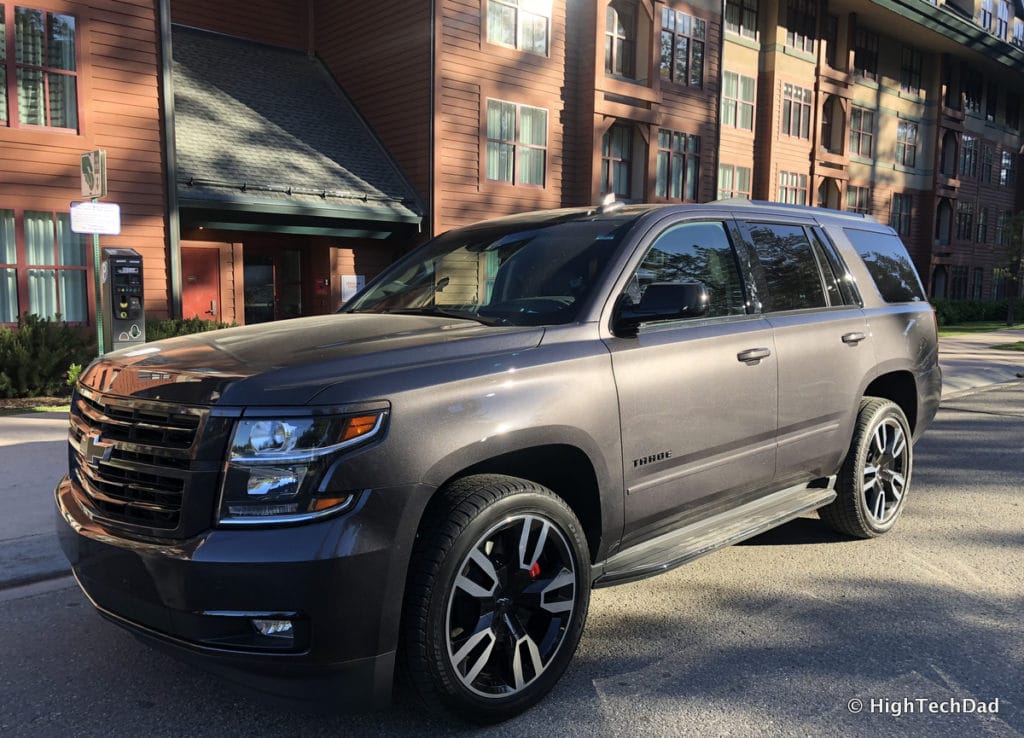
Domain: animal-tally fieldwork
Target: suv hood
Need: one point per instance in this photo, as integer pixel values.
(290, 362)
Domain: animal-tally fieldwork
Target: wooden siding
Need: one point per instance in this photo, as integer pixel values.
(119, 68)
(267, 21)
(381, 58)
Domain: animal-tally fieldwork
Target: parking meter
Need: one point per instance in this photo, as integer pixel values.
(123, 307)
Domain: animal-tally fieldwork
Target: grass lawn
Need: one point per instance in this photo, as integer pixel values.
(984, 327)
(1018, 346)
(24, 405)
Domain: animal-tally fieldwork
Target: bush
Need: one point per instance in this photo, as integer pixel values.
(951, 312)
(157, 330)
(35, 358)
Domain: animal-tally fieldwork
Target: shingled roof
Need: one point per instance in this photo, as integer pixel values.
(265, 130)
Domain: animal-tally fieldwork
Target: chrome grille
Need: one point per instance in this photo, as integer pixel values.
(132, 459)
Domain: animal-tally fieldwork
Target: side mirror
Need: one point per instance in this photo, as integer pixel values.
(664, 301)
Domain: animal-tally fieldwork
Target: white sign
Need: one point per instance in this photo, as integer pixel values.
(350, 285)
(101, 218)
(94, 174)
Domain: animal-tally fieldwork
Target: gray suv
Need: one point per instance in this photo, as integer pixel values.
(435, 478)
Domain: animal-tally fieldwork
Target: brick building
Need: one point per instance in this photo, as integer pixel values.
(266, 155)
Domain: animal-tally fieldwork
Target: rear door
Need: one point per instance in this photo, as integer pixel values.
(697, 396)
(822, 344)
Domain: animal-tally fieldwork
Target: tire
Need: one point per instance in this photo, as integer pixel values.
(874, 481)
(505, 561)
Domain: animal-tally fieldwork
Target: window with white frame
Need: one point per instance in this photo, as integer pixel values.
(620, 36)
(796, 111)
(858, 199)
(733, 181)
(801, 24)
(862, 132)
(1003, 19)
(517, 138)
(793, 188)
(985, 14)
(741, 17)
(906, 143)
(737, 101)
(617, 161)
(520, 24)
(1006, 170)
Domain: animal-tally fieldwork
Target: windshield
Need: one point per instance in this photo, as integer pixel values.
(513, 273)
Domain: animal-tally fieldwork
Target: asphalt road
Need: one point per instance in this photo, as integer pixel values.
(773, 637)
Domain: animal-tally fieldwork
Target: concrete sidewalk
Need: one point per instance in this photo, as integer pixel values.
(33, 457)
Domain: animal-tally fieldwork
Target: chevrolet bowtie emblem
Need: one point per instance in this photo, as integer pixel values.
(94, 449)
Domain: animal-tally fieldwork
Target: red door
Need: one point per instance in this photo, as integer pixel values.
(200, 294)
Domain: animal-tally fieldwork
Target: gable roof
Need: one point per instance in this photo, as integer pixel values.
(265, 134)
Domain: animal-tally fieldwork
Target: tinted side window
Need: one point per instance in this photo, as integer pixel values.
(790, 269)
(692, 252)
(889, 265)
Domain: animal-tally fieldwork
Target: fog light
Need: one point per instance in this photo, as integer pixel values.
(273, 628)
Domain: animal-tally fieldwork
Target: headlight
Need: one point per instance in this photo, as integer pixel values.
(276, 466)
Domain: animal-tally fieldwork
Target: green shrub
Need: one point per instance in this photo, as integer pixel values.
(952, 312)
(35, 358)
(159, 329)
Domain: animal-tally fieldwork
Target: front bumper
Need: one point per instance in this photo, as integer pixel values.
(340, 581)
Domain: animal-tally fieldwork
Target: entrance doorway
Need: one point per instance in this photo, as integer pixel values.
(200, 293)
(273, 284)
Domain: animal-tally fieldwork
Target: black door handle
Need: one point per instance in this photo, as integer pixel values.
(754, 355)
(853, 338)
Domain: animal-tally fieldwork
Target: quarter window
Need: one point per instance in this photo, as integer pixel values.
(796, 111)
(682, 48)
(738, 101)
(38, 69)
(516, 143)
(889, 265)
(790, 267)
(678, 166)
(521, 24)
(693, 252)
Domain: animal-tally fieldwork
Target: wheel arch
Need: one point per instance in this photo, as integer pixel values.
(899, 387)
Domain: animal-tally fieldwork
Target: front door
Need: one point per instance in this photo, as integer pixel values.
(697, 396)
(273, 284)
(200, 293)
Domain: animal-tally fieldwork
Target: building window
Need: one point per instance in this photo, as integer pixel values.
(793, 188)
(796, 111)
(741, 17)
(1003, 19)
(737, 101)
(910, 71)
(678, 166)
(968, 156)
(620, 39)
(801, 24)
(1006, 174)
(733, 181)
(985, 15)
(1002, 234)
(521, 24)
(39, 69)
(862, 127)
(858, 199)
(964, 220)
(972, 84)
(987, 155)
(983, 225)
(50, 266)
(1018, 33)
(682, 48)
(977, 277)
(617, 161)
(865, 55)
(906, 143)
(958, 283)
(1013, 111)
(517, 137)
(899, 219)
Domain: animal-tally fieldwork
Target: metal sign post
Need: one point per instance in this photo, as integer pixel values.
(94, 186)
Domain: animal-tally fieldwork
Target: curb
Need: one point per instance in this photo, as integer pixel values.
(31, 559)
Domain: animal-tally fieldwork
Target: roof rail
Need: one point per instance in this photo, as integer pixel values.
(808, 209)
